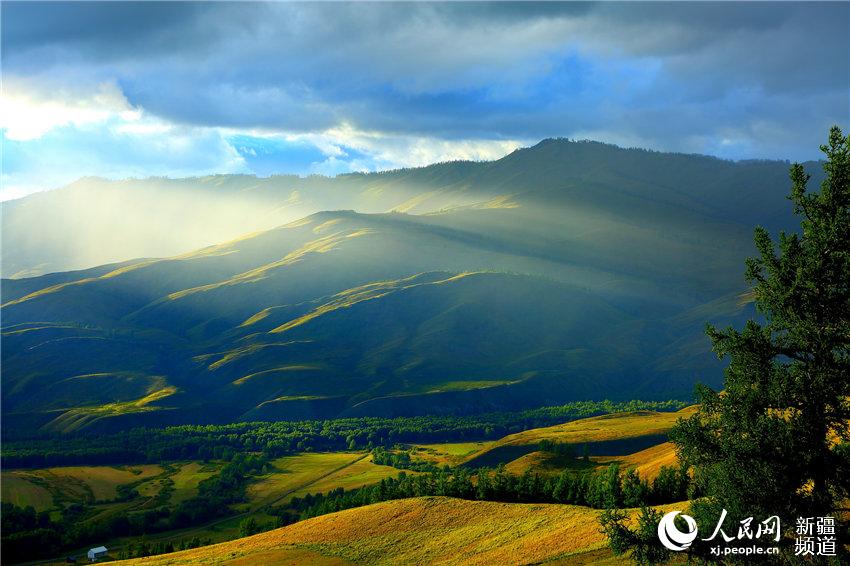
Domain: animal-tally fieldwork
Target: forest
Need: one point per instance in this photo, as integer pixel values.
(274, 439)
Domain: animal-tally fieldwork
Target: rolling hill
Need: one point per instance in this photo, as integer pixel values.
(433, 529)
(561, 272)
(642, 435)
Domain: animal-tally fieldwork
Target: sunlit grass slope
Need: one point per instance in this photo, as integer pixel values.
(648, 462)
(621, 434)
(431, 530)
(18, 489)
(436, 339)
(602, 428)
(315, 472)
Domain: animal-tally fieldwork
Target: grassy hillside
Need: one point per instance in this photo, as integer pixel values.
(51, 489)
(637, 434)
(450, 453)
(434, 529)
(602, 428)
(634, 440)
(296, 476)
(648, 462)
(438, 341)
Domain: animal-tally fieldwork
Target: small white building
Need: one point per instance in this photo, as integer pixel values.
(95, 553)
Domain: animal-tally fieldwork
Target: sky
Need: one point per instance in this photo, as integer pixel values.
(180, 89)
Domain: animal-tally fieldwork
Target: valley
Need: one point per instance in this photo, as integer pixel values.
(274, 493)
(451, 283)
(426, 365)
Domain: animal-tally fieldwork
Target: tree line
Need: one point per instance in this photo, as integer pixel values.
(275, 439)
(598, 489)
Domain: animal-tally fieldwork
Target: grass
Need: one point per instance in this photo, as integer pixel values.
(51, 488)
(104, 480)
(297, 367)
(451, 453)
(350, 297)
(79, 418)
(295, 475)
(469, 385)
(248, 350)
(186, 479)
(46, 326)
(326, 225)
(18, 489)
(603, 428)
(648, 462)
(106, 510)
(544, 464)
(321, 245)
(60, 286)
(316, 472)
(183, 481)
(294, 398)
(415, 201)
(420, 530)
(295, 472)
(360, 473)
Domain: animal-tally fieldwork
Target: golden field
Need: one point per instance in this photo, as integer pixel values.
(433, 530)
(648, 462)
(315, 472)
(605, 428)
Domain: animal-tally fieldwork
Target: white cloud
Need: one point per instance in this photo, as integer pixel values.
(144, 127)
(28, 112)
(381, 151)
(53, 136)
(391, 151)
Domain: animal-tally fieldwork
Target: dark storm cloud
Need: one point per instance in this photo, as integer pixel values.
(739, 78)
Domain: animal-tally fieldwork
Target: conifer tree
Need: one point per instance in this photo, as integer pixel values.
(775, 440)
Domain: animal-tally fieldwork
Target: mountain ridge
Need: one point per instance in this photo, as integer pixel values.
(139, 214)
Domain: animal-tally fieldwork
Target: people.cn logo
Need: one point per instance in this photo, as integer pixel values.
(671, 536)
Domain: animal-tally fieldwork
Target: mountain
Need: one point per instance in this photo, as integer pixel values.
(97, 221)
(561, 272)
